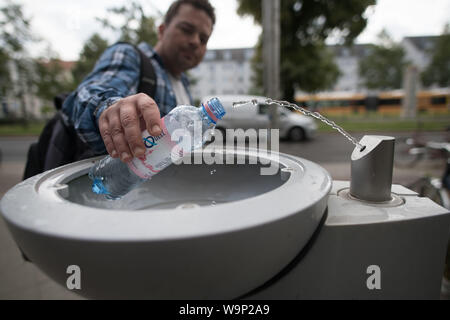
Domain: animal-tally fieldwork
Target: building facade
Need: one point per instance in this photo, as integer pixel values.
(417, 52)
(22, 101)
(347, 59)
(223, 71)
(229, 71)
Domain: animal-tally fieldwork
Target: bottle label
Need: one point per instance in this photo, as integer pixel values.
(161, 151)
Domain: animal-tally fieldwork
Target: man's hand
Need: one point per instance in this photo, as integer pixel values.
(121, 126)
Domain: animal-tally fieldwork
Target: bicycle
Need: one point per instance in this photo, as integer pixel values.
(409, 151)
(438, 190)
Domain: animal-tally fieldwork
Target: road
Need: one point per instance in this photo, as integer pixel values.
(13, 154)
(22, 280)
(331, 150)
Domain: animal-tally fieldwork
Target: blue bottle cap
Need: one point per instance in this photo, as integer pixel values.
(214, 109)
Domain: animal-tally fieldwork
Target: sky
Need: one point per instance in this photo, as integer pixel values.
(67, 24)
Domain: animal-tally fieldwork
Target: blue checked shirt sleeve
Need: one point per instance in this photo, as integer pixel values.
(115, 76)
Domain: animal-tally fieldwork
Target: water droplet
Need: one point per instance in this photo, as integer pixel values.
(213, 204)
(238, 104)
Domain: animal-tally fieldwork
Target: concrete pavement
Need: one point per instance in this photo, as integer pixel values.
(20, 279)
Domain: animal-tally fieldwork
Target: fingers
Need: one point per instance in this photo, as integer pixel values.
(106, 136)
(150, 112)
(120, 126)
(118, 136)
(131, 126)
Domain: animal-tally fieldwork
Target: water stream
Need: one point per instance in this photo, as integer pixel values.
(315, 115)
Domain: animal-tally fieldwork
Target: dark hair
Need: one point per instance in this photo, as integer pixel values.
(198, 4)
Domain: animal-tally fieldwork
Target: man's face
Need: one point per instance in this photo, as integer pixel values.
(182, 43)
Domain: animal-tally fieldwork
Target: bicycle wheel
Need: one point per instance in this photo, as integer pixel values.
(406, 154)
(429, 188)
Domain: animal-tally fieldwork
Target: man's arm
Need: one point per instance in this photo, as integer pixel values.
(104, 110)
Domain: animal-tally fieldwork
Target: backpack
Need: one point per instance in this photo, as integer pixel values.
(59, 143)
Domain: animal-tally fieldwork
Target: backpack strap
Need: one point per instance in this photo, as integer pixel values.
(147, 76)
(147, 79)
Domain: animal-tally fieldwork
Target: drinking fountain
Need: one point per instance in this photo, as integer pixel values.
(226, 231)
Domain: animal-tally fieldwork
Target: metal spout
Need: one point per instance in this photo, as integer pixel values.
(371, 169)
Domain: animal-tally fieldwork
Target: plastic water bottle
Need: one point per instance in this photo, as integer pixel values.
(180, 136)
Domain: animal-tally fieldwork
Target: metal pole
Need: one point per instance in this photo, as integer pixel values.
(410, 92)
(271, 53)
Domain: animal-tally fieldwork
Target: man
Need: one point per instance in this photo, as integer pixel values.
(106, 109)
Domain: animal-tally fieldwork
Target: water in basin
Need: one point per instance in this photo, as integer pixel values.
(184, 186)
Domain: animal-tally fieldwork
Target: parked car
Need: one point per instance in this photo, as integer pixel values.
(293, 126)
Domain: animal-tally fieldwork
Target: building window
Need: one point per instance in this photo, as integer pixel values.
(438, 100)
(210, 55)
(249, 54)
(228, 66)
(227, 55)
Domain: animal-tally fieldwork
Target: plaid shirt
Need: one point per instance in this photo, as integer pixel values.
(115, 76)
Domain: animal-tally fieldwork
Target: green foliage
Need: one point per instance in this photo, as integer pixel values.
(15, 34)
(438, 71)
(15, 29)
(379, 123)
(5, 83)
(136, 27)
(306, 63)
(51, 79)
(46, 110)
(46, 74)
(383, 67)
(21, 129)
(92, 50)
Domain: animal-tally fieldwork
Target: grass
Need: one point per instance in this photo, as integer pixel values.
(30, 129)
(351, 123)
(378, 123)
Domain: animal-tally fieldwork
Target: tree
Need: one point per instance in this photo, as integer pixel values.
(51, 78)
(383, 67)
(5, 77)
(136, 27)
(92, 50)
(15, 65)
(306, 63)
(438, 71)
